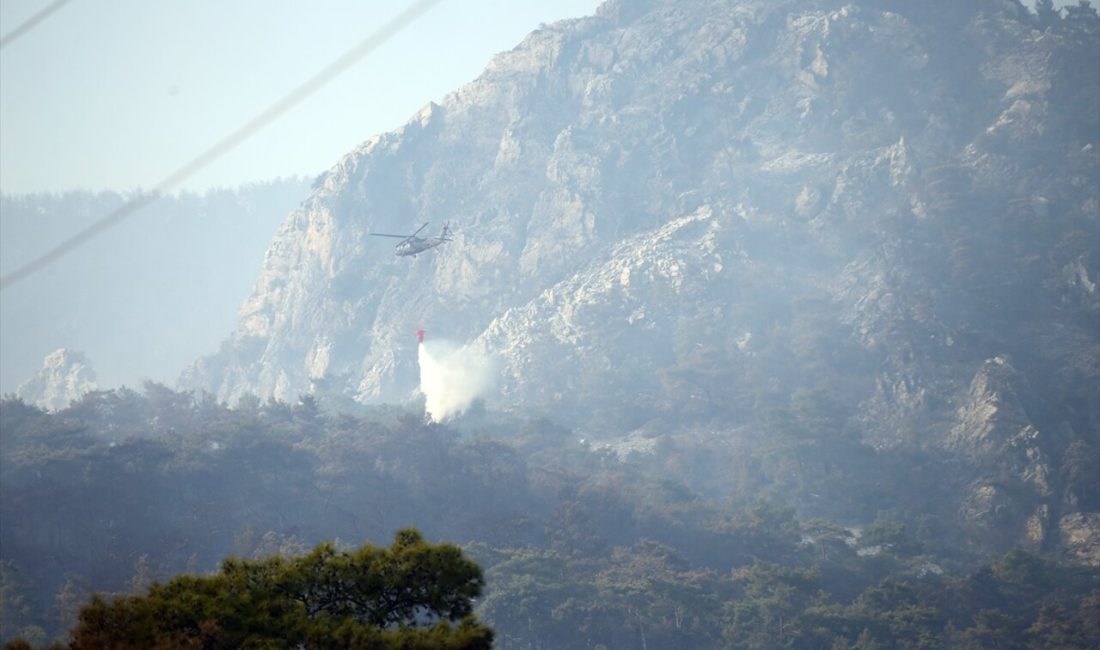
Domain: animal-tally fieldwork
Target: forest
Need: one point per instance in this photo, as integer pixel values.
(804, 539)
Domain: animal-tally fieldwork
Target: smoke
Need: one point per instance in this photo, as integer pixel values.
(452, 377)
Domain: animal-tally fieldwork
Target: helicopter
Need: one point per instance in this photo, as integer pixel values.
(413, 245)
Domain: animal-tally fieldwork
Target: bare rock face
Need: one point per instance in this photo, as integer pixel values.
(65, 377)
(993, 517)
(601, 324)
(995, 430)
(993, 414)
(826, 138)
(696, 209)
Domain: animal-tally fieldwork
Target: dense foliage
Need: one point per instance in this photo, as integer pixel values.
(405, 596)
(732, 539)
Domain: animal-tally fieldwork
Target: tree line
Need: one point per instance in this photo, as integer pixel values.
(701, 542)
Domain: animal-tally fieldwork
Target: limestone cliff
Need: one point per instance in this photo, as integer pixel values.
(65, 377)
(695, 209)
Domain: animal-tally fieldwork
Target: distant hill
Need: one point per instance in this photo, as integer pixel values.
(144, 299)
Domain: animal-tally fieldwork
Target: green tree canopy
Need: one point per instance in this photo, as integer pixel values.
(410, 595)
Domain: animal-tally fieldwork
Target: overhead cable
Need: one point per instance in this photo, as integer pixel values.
(31, 22)
(226, 144)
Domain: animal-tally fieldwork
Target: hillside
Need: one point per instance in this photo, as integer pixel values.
(912, 188)
(874, 218)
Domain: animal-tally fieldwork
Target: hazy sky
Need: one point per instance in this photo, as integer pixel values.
(117, 94)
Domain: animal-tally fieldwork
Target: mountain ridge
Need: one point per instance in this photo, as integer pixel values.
(902, 205)
(323, 245)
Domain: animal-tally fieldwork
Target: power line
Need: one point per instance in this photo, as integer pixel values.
(226, 144)
(31, 22)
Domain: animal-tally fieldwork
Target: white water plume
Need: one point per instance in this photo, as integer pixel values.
(452, 377)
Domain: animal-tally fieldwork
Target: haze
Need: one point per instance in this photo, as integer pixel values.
(764, 324)
(115, 95)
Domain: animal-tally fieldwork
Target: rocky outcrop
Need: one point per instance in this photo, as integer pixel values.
(65, 377)
(995, 431)
(609, 330)
(1081, 537)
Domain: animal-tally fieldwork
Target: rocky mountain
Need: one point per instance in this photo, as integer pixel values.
(883, 215)
(65, 376)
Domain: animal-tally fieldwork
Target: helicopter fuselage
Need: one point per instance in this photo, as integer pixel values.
(417, 245)
(414, 244)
